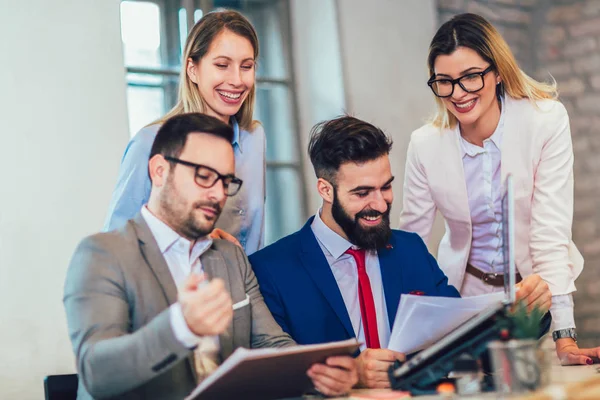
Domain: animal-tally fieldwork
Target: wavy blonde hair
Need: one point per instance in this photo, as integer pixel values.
(476, 33)
(197, 45)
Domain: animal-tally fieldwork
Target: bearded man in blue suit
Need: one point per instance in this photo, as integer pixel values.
(342, 275)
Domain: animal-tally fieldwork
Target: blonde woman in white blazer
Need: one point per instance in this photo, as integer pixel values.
(494, 120)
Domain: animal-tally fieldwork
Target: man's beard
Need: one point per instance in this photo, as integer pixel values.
(181, 220)
(372, 238)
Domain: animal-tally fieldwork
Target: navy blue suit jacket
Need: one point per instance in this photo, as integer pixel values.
(302, 294)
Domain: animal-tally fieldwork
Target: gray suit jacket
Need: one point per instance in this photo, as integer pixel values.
(117, 293)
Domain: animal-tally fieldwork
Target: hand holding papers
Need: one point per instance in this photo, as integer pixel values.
(445, 329)
(422, 320)
(268, 373)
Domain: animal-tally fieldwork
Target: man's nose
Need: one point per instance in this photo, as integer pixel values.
(378, 202)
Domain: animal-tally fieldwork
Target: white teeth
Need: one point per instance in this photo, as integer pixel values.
(371, 218)
(466, 105)
(230, 95)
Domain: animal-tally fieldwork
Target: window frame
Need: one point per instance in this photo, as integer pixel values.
(170, 51)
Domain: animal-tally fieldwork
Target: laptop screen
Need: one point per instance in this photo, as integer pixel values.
(508, 240)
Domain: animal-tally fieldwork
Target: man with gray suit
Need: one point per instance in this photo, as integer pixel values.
(155, 306)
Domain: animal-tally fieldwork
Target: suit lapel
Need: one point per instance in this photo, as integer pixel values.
(512, 140)
(215, 267)
(315, 263)
(391, 277)
(158, 265)
(154, 258)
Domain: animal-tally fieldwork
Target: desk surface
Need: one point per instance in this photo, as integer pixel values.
(559, 373)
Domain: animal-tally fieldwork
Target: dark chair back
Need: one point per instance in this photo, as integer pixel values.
(61, 387)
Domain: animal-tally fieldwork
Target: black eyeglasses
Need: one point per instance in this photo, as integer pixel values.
(470, 83)
(207, 177)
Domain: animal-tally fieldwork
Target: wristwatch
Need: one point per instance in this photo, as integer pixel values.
(564, 333)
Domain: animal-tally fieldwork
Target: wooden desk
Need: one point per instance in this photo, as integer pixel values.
(559, 375)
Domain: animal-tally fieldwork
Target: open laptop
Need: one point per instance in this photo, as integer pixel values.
(508, 240)
(431, 365)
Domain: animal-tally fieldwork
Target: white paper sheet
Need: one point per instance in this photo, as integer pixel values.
(423, 320)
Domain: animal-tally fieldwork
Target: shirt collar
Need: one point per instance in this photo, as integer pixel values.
(166, 237)
(334, 243)
(471, 150)
(236, 133)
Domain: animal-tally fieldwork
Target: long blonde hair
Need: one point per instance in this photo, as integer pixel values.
(475, 32)
(196, 46)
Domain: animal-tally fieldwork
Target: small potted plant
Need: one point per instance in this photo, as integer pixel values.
(519, 364)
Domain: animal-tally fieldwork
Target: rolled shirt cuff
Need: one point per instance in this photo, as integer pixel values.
(562, 311)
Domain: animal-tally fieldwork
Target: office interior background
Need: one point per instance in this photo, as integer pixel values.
(80, 77)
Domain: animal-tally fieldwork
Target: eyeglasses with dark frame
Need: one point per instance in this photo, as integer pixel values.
(207, 177)
(471, 82)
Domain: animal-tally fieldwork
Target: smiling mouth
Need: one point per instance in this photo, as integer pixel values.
(230, 95)
(465, 106)
(372, 220)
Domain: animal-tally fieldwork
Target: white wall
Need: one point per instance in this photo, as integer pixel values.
(318, 74)
(384, 48)
(64, 127)
(373, 53)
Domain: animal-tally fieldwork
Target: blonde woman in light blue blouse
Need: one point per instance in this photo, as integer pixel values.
(218, 79)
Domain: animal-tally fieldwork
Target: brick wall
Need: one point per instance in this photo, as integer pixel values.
(562, 37)
(514, 22)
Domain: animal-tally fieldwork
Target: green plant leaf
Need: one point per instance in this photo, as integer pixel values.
(525, 324)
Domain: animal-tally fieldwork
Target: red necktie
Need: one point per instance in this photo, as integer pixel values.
(365, 296)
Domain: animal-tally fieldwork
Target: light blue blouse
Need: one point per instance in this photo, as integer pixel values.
(243, 215)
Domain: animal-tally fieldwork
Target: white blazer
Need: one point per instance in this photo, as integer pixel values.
(537, 151)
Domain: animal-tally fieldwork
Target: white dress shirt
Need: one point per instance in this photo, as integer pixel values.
(345, 273)
(482, 167)
(182, 259)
